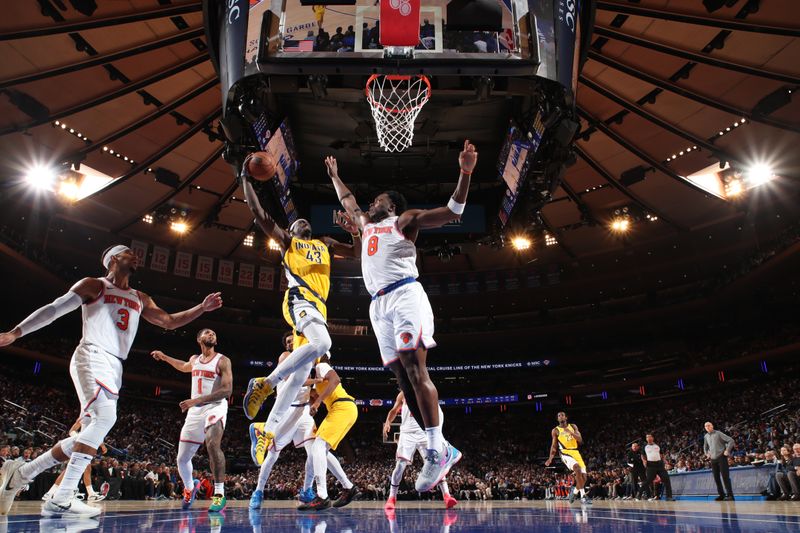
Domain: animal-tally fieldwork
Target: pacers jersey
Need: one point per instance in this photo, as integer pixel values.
(110, 321)
(204, 375)
(307, 264)
(387, 256)
(565, 440)
(338, 393)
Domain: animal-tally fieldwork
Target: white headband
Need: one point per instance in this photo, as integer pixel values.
(295, 222)
(116, 250)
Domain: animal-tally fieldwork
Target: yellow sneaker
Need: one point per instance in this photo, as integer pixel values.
(258, 390)
(260, 442)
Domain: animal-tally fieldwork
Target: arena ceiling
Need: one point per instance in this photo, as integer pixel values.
(132, 79)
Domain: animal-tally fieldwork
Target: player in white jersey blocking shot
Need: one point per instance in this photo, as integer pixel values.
(111, 310)
(412, 439)
(400, 312)
(206, 414)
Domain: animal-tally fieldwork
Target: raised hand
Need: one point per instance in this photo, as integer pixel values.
(468, 157)
(344, 221)
(332, 166)
(8, 337)
(212, 302)
(158, 355)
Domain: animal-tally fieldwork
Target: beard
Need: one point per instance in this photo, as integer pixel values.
(209, 344)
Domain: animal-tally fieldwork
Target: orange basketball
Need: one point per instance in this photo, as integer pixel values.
(261, 165)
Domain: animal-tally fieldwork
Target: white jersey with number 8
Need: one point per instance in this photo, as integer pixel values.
(387, 256)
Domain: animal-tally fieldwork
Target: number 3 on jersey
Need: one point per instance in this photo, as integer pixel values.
(372, 245)
(124, 316)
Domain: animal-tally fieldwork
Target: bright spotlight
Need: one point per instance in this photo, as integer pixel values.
(549, 240)
(41, 177)
(759, 174)
(620, 224)
(273, 245)
(248, 240)
(521, 243)
(733, 188)
(179, 227)
(69, 190)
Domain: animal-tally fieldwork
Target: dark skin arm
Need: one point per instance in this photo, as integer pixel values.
(572, 429)
(392, 414)
(333, 380)
(222, 390)
(157, 316)
(345, 250)
(553, 448)
(262, 218)
(177, 364)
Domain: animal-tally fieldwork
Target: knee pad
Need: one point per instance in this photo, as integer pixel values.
(104, 416)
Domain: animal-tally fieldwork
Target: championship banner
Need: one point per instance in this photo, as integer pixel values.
(266, 278)
(160, 259)
(284, 283)
(225, 272)
(140, 249)
(205, 266)
(246, 274)
(183, 264)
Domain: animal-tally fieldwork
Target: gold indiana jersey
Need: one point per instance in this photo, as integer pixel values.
(338, 393)
(565, 440)
(308, 270)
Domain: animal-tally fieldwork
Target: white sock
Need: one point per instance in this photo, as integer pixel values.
(32, 469)
(396, 478)
(72, 475)
(445, 489)
(320, 452)
(435, 439)
(266, 469)
(284, 401)
(52, 490)
(583, 493)
(338, 472)
(219, 488)
(309, 479)
(90, 490)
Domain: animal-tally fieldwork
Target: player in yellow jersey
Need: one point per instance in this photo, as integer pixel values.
(307, 264)
(342, 414)
(566, 439)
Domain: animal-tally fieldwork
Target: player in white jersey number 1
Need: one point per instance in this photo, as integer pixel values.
(111, 311)
(207, 411)
(400, 312)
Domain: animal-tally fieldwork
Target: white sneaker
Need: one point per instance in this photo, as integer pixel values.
(96, 497)
(436, 467)
(9, 491)
(72, 507)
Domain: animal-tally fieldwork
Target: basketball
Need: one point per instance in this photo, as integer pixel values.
(261, 165)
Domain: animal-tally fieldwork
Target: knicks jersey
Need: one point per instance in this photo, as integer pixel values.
(307, 265)
(387, 255)
(110, 321)
(565, 440)
(204, 375)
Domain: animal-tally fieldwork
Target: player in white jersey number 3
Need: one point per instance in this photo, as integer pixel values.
(111, 310)
(207, 411)
(400, 312)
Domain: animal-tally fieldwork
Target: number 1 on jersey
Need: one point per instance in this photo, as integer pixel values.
(199, 385)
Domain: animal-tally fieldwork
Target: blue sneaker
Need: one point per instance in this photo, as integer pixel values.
(256, 499)
(306, 496)
(189, 495)
(436, 467)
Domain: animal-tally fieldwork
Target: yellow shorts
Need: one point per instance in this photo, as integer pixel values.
(341, 417)
(572, 458)
(298, 309)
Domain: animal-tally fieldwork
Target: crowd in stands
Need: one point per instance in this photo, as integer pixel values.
(503, 455)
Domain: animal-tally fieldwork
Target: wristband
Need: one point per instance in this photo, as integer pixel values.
(456, 207)
(355, 235)
(466, 172)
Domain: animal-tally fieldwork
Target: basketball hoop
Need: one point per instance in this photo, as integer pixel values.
(395, 102)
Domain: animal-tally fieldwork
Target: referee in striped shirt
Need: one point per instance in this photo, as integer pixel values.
(655, 467)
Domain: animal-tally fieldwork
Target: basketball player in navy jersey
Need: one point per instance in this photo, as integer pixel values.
(111, 310)
(400, 312)
(207, 412)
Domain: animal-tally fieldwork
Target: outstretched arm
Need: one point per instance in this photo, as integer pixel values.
(157, 316)
(177, 364)
(333, 380)
(221, 391)
(346, 197)
(553, 448)
(84, 291)
(264, 221)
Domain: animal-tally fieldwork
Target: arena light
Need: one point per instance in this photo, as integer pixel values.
(179, 227)
(620, 225)
(69, 190)
(549, 240)
(41, 177)
(148, 218)
(733, 188)
(248, 240)
(521, 243)
(273, 245)
(759, 174)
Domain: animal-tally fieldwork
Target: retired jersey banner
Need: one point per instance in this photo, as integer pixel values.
(246, 274)
(160, 259)
(225, 272)
(183, 264)
(205, 265)
(284, 283)
(266, 278)
(140, 249)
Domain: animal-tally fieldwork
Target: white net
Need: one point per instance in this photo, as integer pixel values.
(395, 102)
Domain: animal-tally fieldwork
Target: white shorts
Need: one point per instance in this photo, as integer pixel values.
(571, 462)
(297, 427)
(409, 442)
(97, 377)
(200, 418)
(402, 321)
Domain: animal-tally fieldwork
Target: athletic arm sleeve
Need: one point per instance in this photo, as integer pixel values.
(49, 313)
